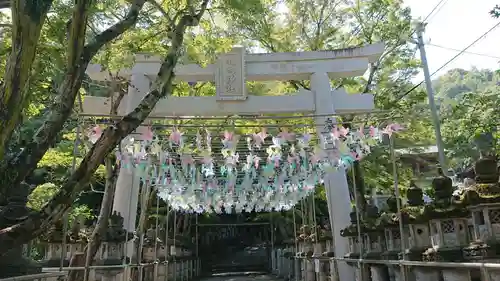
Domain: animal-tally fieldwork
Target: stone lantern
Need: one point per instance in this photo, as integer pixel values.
(374, 243)
(153, 248)
(112, 251)
(181, 255)
(448, 220)
(419, 232)
(74, 243)
(483, 199)
(352, 235)
(306, 251)
(14, 263)
(395, 241)
(328, 266)
(285, 259)
(321, 240)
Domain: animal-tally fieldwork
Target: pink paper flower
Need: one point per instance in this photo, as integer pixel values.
(232, 160)
(293, 159)
(284, 134)
(259, 138)
(343, 131)
(187, 159)
(335, 132)
(355, 155)
(373, 131)
(147, 135)
(361, 130)
(175, 137)
(314, 158)
(95, 134)
(256, 162)
(391, 128)
(276, 162)
(207, 159)
(228, 136)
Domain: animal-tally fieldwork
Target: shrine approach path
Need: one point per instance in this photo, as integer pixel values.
(246, 277)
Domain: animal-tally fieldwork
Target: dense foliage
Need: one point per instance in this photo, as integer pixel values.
(469, 102)
(44, 81)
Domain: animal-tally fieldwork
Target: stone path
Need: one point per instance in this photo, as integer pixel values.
(246, 277)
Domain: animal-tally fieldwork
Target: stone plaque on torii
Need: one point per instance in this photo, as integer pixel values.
(230, 73)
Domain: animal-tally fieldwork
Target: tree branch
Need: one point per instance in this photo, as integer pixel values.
(79, 55)
(37, 222)
(113, 32)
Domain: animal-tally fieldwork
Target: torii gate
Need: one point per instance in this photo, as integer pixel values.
(229, 74)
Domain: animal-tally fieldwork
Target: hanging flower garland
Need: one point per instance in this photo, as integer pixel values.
(273, 172)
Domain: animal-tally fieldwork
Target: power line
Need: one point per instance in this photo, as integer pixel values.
(451, 60)
(428, 17)
(458, 50)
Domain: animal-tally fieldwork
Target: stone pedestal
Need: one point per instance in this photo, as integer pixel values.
(425, 274)
(108, 275)
(456, 275)
(394, 273)
(298, 269)
(494, 275)
(171, 271)
(14, 264)
(319, 248)
(379, 273)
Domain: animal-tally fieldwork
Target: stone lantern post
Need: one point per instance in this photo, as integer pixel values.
(394, 239)
(153, 251)
(112, 248)
(483, 199)
(448, 220)
(63, 247)
(306, 251)
(419, 233)
(321, 248)
(352, 235)
(374, 244)
(14, 263)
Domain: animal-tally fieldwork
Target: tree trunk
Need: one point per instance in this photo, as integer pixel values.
(102, 224)
(28, 18)
(38, 222)
(88, 255)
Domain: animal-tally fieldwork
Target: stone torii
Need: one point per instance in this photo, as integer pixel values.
(230, 73)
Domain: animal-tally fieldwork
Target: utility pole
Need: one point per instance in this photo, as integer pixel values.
(430, 94)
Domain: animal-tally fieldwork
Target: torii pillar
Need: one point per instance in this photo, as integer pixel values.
(230, 73)
(126, 198)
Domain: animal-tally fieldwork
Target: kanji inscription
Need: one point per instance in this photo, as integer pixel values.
(230, 80)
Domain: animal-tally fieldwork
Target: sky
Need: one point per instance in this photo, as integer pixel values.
(456, 25)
